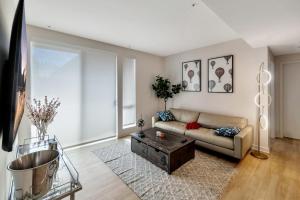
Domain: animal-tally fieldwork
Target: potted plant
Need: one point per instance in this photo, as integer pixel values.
(164, 89)
(141, 124)
(42, 114)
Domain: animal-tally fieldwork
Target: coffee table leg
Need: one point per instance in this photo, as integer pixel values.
(72, 196)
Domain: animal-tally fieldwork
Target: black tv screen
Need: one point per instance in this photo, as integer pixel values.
(14, 80)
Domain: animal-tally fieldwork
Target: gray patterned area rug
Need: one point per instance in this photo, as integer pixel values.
(204, 177)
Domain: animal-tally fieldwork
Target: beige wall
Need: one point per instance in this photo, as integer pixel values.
(287, 58)
(272, 113)
(246, 64)
(279, 63)
(147, 67)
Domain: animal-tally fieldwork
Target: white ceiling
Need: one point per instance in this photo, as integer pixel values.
(160, 27)
(165, 27)
(273, 23)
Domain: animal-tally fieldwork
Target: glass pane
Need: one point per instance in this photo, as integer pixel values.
(98, 95)
(55, 72)
(85, 82)
(129, 93)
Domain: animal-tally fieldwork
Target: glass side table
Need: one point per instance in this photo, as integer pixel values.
(66, 182)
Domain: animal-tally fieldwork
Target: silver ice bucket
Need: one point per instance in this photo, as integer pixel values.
(33, 173)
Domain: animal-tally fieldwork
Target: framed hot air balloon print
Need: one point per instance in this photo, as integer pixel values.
(191, 76)
(220, 74)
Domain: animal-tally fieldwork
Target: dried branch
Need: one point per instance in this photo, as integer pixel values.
(41, 115)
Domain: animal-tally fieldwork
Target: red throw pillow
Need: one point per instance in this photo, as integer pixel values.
(192, 125)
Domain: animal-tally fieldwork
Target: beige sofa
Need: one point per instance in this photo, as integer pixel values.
(205, 136)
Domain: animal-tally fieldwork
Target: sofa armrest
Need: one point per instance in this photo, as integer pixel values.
(154, 120)
(243, 142)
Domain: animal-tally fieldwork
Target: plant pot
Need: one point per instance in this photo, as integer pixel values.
(141, 134)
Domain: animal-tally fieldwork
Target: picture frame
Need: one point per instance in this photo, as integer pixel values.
(191, 76)
(220, 74)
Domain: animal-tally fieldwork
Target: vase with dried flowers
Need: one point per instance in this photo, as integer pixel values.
(41, 115)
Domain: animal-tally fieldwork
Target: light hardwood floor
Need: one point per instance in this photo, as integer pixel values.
(98, 181)
(277, 178)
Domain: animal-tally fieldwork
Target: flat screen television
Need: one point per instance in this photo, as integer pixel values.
(14, 80)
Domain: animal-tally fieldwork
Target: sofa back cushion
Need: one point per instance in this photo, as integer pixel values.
(214, 121)
(185, 116)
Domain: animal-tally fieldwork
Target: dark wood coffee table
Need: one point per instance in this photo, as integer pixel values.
(168, 153)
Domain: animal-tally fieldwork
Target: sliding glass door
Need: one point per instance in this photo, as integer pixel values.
(98, 95)
(85, 82)
(55, 73)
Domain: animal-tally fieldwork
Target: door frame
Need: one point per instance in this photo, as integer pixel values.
(281, 98)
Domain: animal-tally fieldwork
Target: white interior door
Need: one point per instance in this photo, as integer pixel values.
(291, 99)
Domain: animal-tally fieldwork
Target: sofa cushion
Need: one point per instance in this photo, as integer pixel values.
(166, 116)
(175, 126)
(192, 125)
(209, 136)
(185, 116)
(214, 121)
(227, 132)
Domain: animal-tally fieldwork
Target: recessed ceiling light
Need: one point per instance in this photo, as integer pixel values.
(195, 4)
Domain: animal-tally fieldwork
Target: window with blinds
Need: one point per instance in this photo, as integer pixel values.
(84, 80)
(129, 93)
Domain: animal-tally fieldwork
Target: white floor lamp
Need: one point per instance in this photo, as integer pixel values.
(263, 80)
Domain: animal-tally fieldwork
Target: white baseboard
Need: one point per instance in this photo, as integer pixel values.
(263, 149)
(89, 143)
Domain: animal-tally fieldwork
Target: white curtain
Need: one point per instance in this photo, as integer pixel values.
(85, 82)
(98, 95)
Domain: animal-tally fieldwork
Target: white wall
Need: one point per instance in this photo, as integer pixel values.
(241, 103)
(147, 67)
